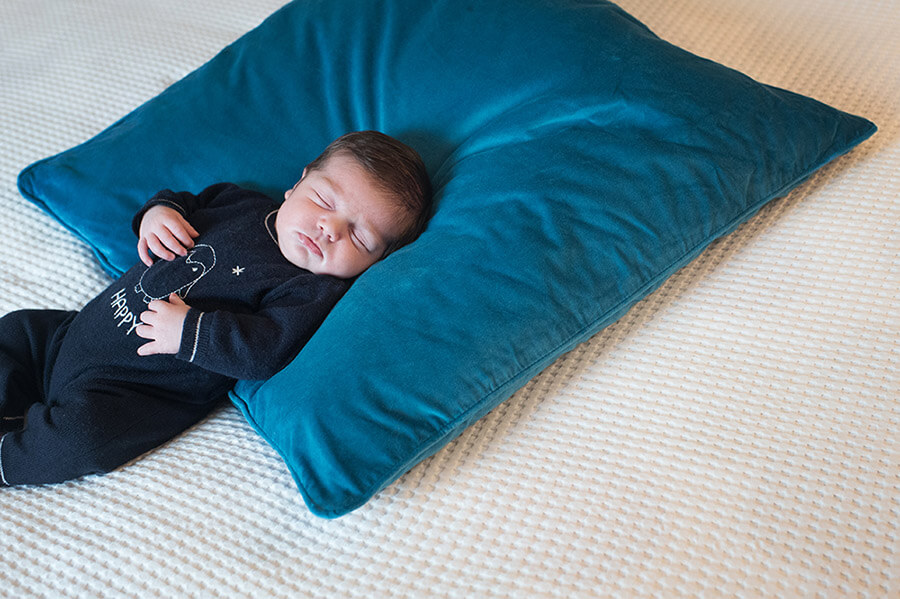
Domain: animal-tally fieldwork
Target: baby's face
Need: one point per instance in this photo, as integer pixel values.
(336, 220)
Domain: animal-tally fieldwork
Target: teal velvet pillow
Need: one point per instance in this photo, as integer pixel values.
(578, 161)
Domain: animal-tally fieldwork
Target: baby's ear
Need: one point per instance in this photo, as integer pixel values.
(287, 194)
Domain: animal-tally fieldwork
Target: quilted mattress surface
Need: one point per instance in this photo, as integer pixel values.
(735, 434)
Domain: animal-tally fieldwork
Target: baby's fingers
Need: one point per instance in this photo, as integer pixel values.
(145, 331)
(158, 247)
(183, 233)
(149, 349)
(143, 252)
(191, 231)
(148, 320)
(176, 240)
(175, 300)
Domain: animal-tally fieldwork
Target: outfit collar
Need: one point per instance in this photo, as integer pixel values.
(269, 221)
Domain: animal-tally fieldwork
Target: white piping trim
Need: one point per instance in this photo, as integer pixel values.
(196, 342)
(171, 204)
(2, 476)
(268, 228)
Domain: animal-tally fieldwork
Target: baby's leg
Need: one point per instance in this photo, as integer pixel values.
(98, 426)
(29, 341)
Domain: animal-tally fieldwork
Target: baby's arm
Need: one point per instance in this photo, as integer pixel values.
(166, 233)
(256, 345)
(162, 323)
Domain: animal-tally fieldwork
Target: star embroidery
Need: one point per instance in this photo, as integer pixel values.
(237, 270)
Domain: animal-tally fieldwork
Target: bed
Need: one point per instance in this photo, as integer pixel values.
(733, 434)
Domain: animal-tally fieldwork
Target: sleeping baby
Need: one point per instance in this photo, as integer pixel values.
(230, 285)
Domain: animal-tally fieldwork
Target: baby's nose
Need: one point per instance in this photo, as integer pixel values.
(331, 227)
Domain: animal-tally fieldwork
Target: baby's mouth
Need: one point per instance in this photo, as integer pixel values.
(309, 244)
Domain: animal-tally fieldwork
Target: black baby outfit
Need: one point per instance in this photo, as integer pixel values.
(90, 403)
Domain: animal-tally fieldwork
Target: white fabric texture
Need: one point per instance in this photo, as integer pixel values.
(733, 435)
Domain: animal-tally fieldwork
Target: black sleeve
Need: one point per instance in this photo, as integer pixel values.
(258, 345)
(183, 201)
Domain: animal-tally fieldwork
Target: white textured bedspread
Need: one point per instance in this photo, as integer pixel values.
(734, 435)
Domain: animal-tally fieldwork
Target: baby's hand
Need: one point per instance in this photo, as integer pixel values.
(162, 324)
(166, 233)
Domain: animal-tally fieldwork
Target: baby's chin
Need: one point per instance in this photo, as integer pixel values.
(299, 259)
(312, 266)
(303, 259)
(346, 273)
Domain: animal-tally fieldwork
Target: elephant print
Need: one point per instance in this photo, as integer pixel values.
(177, 276)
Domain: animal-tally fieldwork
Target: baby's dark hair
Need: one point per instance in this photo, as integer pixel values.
(396, 168)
